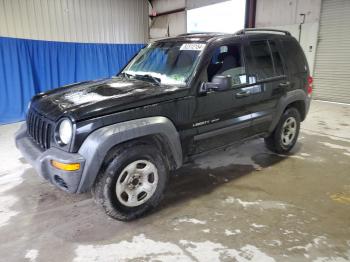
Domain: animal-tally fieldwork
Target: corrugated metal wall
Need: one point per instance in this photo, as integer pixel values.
(87, 21)
(332, 67)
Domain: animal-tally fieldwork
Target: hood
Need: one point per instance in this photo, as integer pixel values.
(96, 98)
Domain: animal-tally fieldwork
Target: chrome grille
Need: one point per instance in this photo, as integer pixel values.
(39, 128)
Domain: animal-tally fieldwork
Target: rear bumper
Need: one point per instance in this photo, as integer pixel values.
(307, 105)
(41, 160)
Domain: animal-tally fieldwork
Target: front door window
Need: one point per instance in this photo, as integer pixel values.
(227, 61)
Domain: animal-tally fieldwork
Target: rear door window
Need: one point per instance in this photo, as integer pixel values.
(259, 60)
(276, 59)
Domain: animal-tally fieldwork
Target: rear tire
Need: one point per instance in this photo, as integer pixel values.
(285, 135)
(132, 181)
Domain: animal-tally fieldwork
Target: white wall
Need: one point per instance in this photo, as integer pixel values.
(285, 14)
(162, 6)
(173, 24)
(89, 21)
(230, 20)
(167, 25)
(190, 4)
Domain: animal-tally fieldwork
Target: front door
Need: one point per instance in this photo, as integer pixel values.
(222, 117)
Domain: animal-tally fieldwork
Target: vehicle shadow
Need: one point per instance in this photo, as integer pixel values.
(192, 181)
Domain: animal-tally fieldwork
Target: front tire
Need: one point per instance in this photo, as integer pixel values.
(132, 181)
(285, 135)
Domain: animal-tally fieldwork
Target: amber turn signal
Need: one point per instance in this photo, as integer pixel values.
(65, 167)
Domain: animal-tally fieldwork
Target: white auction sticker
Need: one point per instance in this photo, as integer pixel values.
(192, 46)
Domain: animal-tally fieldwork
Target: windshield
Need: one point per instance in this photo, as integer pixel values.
(169, 63)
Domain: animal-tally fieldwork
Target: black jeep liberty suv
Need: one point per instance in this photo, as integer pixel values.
(178, 97)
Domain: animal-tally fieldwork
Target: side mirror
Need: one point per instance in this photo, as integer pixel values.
(219, 83)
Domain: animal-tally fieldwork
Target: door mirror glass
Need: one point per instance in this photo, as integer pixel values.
(219, 83)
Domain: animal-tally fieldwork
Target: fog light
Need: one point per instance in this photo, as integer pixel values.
(65, 167)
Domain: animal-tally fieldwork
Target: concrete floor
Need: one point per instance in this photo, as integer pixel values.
(242, 204)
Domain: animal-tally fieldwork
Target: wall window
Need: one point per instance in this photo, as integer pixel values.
(227, 60)
(258, 59)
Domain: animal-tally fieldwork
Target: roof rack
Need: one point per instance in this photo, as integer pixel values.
(201, 33)
(243, 31)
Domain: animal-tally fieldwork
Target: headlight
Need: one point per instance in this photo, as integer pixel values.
(65, 131)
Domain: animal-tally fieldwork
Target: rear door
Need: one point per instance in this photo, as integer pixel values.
(222, 117)
(265, 69)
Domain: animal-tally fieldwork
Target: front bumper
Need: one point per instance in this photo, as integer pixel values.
(41, 160)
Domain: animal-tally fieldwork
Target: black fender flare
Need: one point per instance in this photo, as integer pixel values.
(99, 142)
(290, 97)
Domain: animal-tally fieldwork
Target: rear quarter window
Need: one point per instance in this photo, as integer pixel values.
(294, 56)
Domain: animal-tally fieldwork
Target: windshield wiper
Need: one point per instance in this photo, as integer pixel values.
(126, 75)
(154, 79)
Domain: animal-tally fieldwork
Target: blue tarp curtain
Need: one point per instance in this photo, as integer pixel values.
(28, 67)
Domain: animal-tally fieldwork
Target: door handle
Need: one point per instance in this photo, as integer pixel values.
(243, 94)
(284, 84)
